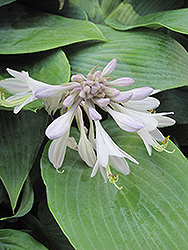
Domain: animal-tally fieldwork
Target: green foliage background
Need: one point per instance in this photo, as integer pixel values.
(41, 209)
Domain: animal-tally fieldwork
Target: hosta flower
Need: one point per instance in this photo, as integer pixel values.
(108, 153)
(95, 89)
(23, 88)
(140, 111)
(132, 110)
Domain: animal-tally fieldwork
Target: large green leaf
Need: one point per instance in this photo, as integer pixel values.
(150, 212)
(16, 240)
(51, 233)
(20, 139)
(149, 57)
(176, 20)
(24, 30)
(49, 66)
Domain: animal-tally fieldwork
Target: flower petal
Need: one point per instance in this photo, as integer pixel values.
(111, 92)
(145, 104)
(119, 164)
(124, 121)
(140, 93)
(147, 139)
(120, 82)
(57, 149)
(109, 67)
(85, 148)
(164, 121)
(19, 75)
(60, 125)
(14, 86)
(51, 90)
(95, 168)
(106, 144)
(19, 107)
(157, 135)
(145, 118)
(122, 97)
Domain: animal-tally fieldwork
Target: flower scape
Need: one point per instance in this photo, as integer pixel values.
(132, 110)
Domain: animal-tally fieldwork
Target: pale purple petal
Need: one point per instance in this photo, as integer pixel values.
(51, 90)
(19, 107)
(14, 86)
(120, 82)
(60, 125)
(111, 92)
(85, 148)
(109, 67)
(94, 115)
(104, 174)
(78, 78)
(102, 152)
(140, 93)
(164, 121)
(86, 151)
(146, 139)
(124, 121)
(103, 102)
(144, 134)
(157, 135)
(95, 168)
(17, 74)
(119, 164)
(145, 118)
(52, 103)
(107, 144)
(148, 103)
(57, 149)
(122, 97)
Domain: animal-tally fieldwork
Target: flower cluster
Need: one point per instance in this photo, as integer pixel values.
(131, 110)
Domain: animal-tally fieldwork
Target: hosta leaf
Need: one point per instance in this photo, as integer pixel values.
(52, 231)
(175, 100)
(25, 30)
(16, 240)
(107, 6)
(176, 20)
(72, 10)
(127, 11)
(92, 8)
(150, 212)
(4, 2)
(149, 57)
(26, 201)
(20, 139)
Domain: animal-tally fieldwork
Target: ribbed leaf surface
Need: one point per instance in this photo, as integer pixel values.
(150, 212)
(149, 57)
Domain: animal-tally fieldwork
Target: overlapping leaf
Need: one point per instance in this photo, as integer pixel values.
(150, 212)
(24, 30)
(149, 57)
(20, 139)
(176, 20)
(16, 240)
(127, 11)
(26, 201)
